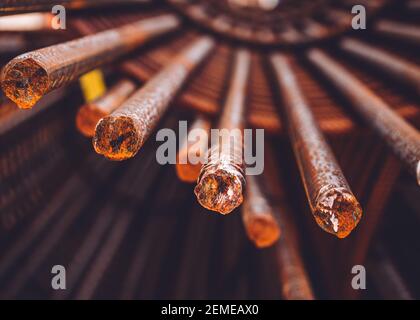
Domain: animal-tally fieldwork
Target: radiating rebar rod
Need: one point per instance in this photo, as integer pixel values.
(30, 76)
(188, 164)
(400, 136)
(404, 71)
(12, 6)
(221, 182)
(409, 32)
(25, 22)
(258, 215)
(120, 135)
(89, 114)
(294, 281)
(335, 208)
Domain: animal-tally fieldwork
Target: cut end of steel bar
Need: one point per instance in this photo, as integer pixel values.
(87, 118)
(117, 138)
(337, 211)
(263, 230)
(24, 81)
(220, 189)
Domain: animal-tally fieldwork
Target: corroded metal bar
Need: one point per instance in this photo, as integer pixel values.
(403, 70)
(401, 30)
(400, 136)
(221, 182)
(120, 135)
(30, 76)
(11, 6)
(333, 204)
(36, 21)
(187, 170)
(89, 114)
(293, 279)
(258, 216)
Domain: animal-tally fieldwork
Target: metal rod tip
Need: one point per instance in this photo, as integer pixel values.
(263, 230)
(337, 211)
(24, 81)
(117, 138)
(221, 190)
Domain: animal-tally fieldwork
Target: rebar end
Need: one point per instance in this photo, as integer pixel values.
(117, 138)
(220, 190)
(263, 230)
(87, 118)
(337, 211)
(24, 81)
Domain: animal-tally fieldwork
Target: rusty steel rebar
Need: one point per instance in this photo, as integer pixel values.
(404, 71)
(120, 135)
(36, 21)
(14, 6)
(405, 31)
(90, 113)
(28, 77)
(294, 281)
(333, 204)
(399, 135)
(187, 170)
(258, 215)
(221, 181)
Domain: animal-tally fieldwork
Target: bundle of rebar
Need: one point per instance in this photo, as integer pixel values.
(309, 99)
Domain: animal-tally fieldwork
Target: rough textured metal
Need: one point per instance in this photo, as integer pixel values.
(221, 182)
(293, 278)
(335, 208)
(188, 171)
(401, 69)
(28, 77)
(26, 22)
(89, 114)
(400, 136)
(258, 216)
(120, 135)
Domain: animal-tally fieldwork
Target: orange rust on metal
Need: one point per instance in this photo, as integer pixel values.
(258, 216)
(399, 135)
(186, 170)
(403, 70)
(89, 114)
(120, 135)
(409, 32)
(333, 204)
(221, 182)
(30, 76)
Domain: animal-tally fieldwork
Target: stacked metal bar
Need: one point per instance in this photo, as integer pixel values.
(337, 113)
